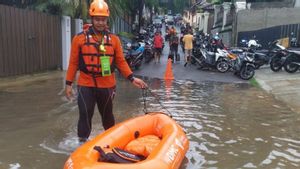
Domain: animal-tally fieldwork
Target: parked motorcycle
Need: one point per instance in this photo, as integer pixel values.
(148, 52)
(279, 57)
(262, 57)
(253, 43)
(243, 43)
(134, 57)
(294, 41)
(243, 66)
(216, 60)
(292, 63)
(196, 50)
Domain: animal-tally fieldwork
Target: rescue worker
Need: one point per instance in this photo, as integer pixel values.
(96, 53)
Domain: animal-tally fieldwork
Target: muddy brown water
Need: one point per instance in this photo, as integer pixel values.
(228, 125)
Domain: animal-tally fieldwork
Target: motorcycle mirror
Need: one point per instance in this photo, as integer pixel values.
(128, 45)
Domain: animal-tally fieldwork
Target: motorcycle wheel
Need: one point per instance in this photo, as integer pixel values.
(222, 66)
(148, 58)
(276, 64)
(289, 66)
(137, 66)
(247, 72)
(193, 60)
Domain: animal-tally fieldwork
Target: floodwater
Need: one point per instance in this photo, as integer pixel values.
(228, 125)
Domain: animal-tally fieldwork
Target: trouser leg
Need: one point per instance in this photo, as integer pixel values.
(86, 105)
(105, 106)
(186, 55)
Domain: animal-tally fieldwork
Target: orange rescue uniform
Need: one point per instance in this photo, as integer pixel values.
(113, 49)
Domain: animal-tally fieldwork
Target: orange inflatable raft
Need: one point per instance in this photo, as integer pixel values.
(168, 154)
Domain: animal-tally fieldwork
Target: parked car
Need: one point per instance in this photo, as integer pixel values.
(178, 17)
(170, 20)
(162, 18)
(157, 23)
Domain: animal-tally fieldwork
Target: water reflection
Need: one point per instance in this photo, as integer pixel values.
(228, 125)
(232, 126)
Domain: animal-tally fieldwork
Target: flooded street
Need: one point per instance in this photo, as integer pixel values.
(228, 125)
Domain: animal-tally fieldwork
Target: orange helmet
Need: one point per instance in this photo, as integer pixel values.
(99, 8)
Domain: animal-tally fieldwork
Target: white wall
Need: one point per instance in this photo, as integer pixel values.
(66, 41)
(297, 4)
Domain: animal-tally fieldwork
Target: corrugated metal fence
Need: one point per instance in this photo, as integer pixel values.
(273, 33)
(30, 41)
(120, 25)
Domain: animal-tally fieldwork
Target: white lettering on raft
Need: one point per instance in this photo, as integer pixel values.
(171, 154)
(70, 163)
(174, 150)
(179, 144)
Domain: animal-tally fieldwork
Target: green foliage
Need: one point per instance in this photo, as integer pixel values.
(199, 10)
(217, 1)
(179, 6)
(115, 8)
(152, 3)
(254, 82)
(84, 11)
(56, 7)
(79, 8)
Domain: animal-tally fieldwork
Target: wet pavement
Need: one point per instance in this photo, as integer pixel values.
(284, 86)
(230, 123)
(190, 72)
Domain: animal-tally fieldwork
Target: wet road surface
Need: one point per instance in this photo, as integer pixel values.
(190, 72)
(229, 125)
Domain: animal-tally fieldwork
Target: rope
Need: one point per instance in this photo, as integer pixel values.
(156, 97)
(144, 93)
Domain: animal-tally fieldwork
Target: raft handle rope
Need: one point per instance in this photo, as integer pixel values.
(156, 97)
(144, 93)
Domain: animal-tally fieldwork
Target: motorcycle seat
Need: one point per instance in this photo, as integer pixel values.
(237, 51)
(260, 54)
(295, 52)
(262, 51)
(210, 53)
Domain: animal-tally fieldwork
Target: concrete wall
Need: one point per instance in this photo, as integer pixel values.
(297, 3)
(226, 38)
(203, 22)
(272, 4)
(248, 20)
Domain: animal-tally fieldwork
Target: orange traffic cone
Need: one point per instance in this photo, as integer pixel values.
(168, 88)
(169, 72)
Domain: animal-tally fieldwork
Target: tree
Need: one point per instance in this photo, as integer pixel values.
(79, 8)
(58, 7)
(180, 5)
(152, 4)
